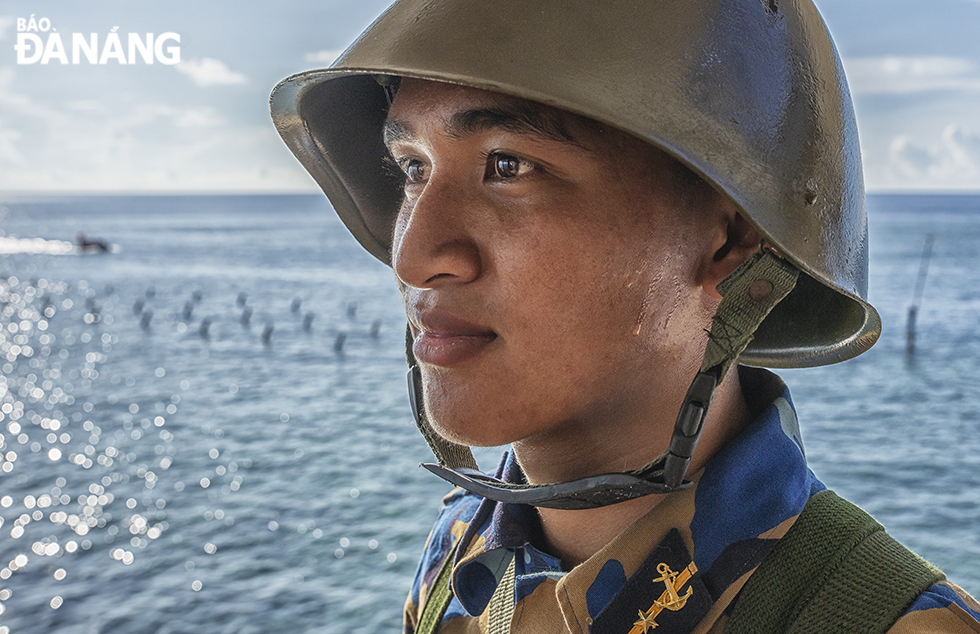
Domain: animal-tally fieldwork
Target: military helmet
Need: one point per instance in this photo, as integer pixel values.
(749, 94)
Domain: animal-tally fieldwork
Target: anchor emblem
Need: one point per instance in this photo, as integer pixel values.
(675, 602)
(669, 600)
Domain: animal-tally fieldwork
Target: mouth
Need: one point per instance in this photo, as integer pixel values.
(444, 340)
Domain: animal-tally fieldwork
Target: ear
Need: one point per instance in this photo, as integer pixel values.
(734, 242)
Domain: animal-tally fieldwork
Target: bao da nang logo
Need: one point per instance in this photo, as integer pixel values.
(39, 42)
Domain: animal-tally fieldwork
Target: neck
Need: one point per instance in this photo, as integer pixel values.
(574, 536)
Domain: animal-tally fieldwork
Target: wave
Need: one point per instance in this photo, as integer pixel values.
(10, 245)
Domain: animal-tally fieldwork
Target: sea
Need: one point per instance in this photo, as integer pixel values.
(205, 427)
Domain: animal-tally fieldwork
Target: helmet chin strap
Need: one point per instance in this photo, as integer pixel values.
(748, 295)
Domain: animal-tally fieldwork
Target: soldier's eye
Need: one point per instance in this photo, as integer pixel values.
(507, 166)
(416, 171)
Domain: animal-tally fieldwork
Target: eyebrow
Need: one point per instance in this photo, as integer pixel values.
(519, 118)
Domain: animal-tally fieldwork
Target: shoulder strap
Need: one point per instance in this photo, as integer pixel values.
(439, 596)
(835, 571)
(501, 604)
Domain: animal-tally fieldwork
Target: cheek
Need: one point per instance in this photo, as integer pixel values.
(656, 301)
(593, 279)
(595, 311)
(650, 288)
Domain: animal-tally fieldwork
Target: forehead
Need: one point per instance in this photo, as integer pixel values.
(460, 110)
(422, 93)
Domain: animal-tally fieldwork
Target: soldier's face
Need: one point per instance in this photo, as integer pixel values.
(550, 277)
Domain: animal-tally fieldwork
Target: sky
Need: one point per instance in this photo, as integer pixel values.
(203, 125)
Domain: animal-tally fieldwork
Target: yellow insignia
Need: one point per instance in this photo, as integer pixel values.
(646, 622)
(671, 599)
(668, 576)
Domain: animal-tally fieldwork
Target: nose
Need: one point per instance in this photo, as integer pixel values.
(434, 242)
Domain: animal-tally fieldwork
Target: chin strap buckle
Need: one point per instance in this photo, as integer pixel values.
(687, 429)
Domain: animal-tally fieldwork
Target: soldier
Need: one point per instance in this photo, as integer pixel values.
(603, 218)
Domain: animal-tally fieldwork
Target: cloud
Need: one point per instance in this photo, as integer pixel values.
(13, 103)
(908, 159)
(6, 21)
(963, 149)
(211, 72)
(8, 148)
(157, 114)
(86, 143)
(141, 147)
(325, 57)
(197, 118)
(951, 161)
(906, 75)
(84, 105)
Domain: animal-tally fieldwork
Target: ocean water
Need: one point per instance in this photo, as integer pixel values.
(171, 466)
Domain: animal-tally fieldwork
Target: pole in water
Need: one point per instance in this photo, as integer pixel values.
(920, 284)
(910, 331)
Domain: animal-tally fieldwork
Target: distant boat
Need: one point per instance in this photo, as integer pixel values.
(89, 245)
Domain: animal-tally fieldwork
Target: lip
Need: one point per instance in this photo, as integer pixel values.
(446, 340)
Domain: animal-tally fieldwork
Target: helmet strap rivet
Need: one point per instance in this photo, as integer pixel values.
(760, 290)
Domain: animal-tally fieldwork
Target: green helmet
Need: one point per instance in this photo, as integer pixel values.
(749, 94)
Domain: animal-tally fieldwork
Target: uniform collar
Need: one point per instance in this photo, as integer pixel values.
(719, 530)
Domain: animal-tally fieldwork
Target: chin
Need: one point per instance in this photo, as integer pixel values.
(474, 426)
(462, 413)
(474, 413)
(474, 432)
